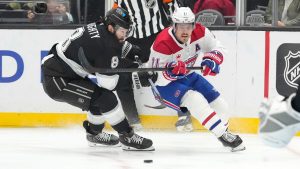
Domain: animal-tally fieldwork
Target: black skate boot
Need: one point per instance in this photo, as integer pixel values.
(234, 142)
(99, 139)
(133, 142)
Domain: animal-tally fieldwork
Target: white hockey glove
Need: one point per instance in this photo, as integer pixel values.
(279, 122)
(105, 81)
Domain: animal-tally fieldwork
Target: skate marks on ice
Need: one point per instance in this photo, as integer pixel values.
(54, 148)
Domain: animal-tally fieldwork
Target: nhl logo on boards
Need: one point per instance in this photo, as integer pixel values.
(287, 68)
(292, 68)
(150, 3)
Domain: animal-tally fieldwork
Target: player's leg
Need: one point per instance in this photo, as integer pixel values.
(213, 97)
(126, 96)
(79, 94)
(184, 122)
(95, 119)
(221, 106)
(172, 94)
(103, 105)
(113, 113)
(279, 120)
(201, 110)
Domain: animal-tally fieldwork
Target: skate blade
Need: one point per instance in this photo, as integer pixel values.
(127, 148)
(186, 128)
(241, 147)
(103, 145)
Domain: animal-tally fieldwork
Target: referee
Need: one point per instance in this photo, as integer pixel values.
(149, 18)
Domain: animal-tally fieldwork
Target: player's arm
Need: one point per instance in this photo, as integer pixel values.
(162, 57)
(214, 54)
(105, 81)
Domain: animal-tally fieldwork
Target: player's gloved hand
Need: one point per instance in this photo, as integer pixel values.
(145, 76)
(130, 51)
(177, 70)
(211, 63)
(104, 81)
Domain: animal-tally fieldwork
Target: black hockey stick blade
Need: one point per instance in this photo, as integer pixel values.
(91, 69)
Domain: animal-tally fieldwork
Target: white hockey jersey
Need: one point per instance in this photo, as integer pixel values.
(167, 49)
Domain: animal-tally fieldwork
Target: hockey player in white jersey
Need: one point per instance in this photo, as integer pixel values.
(280, 120)
(179, 47)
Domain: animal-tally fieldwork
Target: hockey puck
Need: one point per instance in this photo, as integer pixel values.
(148, 161)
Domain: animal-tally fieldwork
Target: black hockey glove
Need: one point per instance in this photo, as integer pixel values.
(130, 51)
(145, 76)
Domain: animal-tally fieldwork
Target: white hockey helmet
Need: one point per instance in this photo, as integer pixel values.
(183, 15)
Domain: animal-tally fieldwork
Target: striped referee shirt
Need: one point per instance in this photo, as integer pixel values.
(148, 16)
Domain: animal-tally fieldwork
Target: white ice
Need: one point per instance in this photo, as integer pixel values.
(66, 148)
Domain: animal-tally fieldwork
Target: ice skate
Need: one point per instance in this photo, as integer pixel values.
(184, 124)
(100, 139)
(234, 142)
(137, 127)
(133, 142)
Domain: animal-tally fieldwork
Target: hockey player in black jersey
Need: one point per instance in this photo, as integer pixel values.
(66, 79)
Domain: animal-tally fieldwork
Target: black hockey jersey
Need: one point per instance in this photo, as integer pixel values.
(101, 48)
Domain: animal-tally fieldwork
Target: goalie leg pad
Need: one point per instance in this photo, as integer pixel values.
(279, 122)
(202, 111)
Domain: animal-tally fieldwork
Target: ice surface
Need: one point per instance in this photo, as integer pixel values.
(66, 148)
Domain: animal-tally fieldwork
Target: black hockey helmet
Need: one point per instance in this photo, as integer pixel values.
(118, 16)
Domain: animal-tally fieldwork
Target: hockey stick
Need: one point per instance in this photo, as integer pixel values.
(156, 93)
(154, 90)
(91, 69)
(160, 99)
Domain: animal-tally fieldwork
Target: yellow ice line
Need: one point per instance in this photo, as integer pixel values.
(240, 125)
